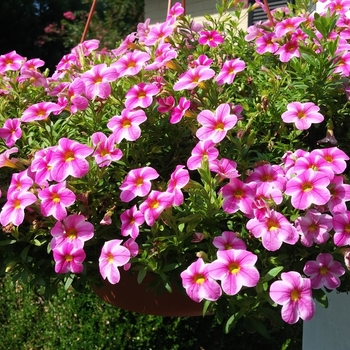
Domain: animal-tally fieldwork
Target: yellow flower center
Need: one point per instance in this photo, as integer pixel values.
(55, 198)
(272, 225)
(219, 126)
(154, 204)
(139, 181)
(72, 233)
(307, 187)
(234, 268)
(295, 295)
(126, 123)
(110, 257)
(17, 204)
(323, 270)
(313, 227)
(301, 115)
(238, 194)
(69, 156)
(68, 258)
(199, 279)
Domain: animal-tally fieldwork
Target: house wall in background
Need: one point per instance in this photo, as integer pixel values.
(156, 10)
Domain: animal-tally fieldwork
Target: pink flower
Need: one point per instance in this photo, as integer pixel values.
(295, 295)
(163, 54)
(69, 258)
(137, 183)
(39, 111)
(97, 81)
(302, 114)
(166, 104)
(40, 165)
(176, 11)
(229, 71)
(178, 179)
(69, 159)
(131, 63)
(203, 150)
(32, 64)
(13, 209)
(105, 152)
(126, 126)
(11, 131)
(157, 32)
(288, 25)
(211, 38)
(140, 95)
(20, 182)
(228, 240)
(274, 229)
(215, 126)
(202, 60)
(324, 272)
(73, 229)
(335, 158)
(113, 255)
(10, 62)
(131, 220)
(268, 173)
(237, 196)
(133, 248)
(55, 199)
(86, 47)
(343, 64)
(198, 284)
(225, 168)
(69, 15)
(5, 160)
(235, 269)
(341, 226)
(75, 91)
(180, 110)
(266, 43)
(308, 188)
(288, 51)
(155, 203)
(314, 227)
(340, 194)
(193, 77)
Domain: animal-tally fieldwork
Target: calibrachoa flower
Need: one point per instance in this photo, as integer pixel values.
(193, 77)
(10, 61)
(302, 115)
(229, 71)
(39, 111)
(112, 256)
(341, 226)
(6, 161)
(11, 131)
(314, 227)
(105, 151)
(131, 220)
(137, 183)
(126, 126)
(295, 295)
(155, 203)
(274, 229)
(335, 157)
(211, 38)
(69, 159)
(69, 258)
(235, 269)
(215, 126)
(13, 209)
(55, 199)
(74, 228)
(226, 168)
(198, 284)
(131, 63)
(178, 179)
(324, 272)
(228, 240)
(203, 150)
(140, 95)
(180, 110)
(20, 182)
(237, 196)
(97, 81)
(308, 188)
(40, 165)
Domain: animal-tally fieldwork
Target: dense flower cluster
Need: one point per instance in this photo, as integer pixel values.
(176, 154)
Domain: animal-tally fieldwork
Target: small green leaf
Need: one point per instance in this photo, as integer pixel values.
(321, 296)
(141, 275)
(260, 327)
(272, 273)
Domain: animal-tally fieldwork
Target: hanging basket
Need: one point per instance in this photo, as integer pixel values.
(132, 296)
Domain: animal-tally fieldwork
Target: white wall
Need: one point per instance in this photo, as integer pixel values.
(156, 10)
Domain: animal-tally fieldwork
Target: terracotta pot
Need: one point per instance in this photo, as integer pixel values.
(131, 296)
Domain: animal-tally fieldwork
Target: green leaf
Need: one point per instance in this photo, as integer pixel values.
(68, 283)
(260, 327)
(272, 273)
(141, 275)
(231, 322)
(321, 296)
(8, 241)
